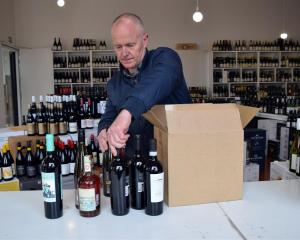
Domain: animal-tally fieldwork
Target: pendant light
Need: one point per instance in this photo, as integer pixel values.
(60, 3)
(284, 34)
(197, 16)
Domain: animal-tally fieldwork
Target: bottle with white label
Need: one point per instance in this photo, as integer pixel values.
(89, 191)
(119, 188)
(52, 181)
(154, 183)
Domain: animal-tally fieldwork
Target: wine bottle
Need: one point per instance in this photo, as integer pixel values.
(30, 162)
(72, 156)
(41, 157)
(7, 170)
(94, 151)
(107, 157)
(89, 191)
(72, 126)
(52, 182)
(119, 188)
(11, 160)
(30, 123)
(79, 164)
(37, 154)
(137, 176)
(20, 161)
(59, 46)
(154, 183)
(1, 165)
(65, 163)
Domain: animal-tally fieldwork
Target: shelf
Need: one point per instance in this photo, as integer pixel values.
(272, 116)
(105, 67)
(242, 82)
(72, 83)
(273, 82)
(81, 68)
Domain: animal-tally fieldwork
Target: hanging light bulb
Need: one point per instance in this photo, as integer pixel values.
(197, 16)
(283, 35)
(60, 3)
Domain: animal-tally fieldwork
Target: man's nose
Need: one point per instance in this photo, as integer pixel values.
(124, 51)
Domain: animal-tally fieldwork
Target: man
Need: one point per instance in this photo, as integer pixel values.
(145, 78)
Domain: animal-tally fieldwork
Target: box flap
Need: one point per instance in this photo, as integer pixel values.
(195, 118)
(247, 113)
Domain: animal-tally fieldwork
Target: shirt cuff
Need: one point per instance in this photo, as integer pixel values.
(135, 106)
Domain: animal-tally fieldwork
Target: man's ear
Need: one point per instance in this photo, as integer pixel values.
(145, 39)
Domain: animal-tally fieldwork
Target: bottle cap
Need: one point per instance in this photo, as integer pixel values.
(50, 142)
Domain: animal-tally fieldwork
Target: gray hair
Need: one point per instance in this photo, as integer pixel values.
(133, 17)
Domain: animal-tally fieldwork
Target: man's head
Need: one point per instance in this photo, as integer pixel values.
(129, 40)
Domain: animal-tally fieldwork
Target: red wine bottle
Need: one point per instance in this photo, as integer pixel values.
(52, 181)
(119, 188)
(137, 176)
(154, 183)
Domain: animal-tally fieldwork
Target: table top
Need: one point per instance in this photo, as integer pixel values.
(269, 210)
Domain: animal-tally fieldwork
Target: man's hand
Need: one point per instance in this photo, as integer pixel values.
(102, 140)
(117, 133)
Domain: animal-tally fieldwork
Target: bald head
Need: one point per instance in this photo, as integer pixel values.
(129, 19)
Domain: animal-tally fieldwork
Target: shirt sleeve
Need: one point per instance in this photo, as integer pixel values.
(155, 84)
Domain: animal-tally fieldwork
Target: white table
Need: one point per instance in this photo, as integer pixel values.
(269, 210)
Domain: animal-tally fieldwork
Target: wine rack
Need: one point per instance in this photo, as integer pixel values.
(82, 67)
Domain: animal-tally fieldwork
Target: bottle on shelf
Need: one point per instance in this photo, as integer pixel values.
(31, 166)
(52, 181)
(107, 158)
(20, 161)
(119, 188)
(7, 169)
(94, 152)
(72, 156)
(10, 159)
(30, 124)
(137, 172)
(65, 161)
(79, 163)
(154, 183)
(89, 191)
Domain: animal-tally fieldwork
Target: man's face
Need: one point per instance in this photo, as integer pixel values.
(129, 43)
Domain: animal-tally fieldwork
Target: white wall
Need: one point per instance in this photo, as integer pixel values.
(167, 21)
(7, 21)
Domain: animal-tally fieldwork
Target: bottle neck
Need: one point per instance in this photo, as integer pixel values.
(153, 155)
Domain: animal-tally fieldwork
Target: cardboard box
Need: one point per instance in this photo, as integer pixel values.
(12, 185)
(201, 149)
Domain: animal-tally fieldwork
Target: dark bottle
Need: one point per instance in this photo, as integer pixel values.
(41, 157)
(54, 46)
(23, 120)
(137, 176)
(30, 124)
(1, 163)
(20, 161)
(37, 154)
(52, 182)
(41, 122)
(59, 46)
(79, 164)
(119, 188)
(72, 156)
(11, 160)
(65, 163)
(89, 191)
(154, 183)
(7, 170)
(72, 120)
(94, 151)
(107, 157)
(52, 120)
(31, 168)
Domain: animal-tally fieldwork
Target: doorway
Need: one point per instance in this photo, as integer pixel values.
(9, 87)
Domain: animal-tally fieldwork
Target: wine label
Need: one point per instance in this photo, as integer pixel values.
(30, 128)
(65, 169)
(89, 123)
(288, 124)
(72, 127)
(42, 128)
(62, 127)
(102, 107)
(72, 167)
(140, 187)
(94, 157)
(101, 158)
(87, 199)
(156, 187)
(126, 186)
(48, 187)
(54, 128)
(83, 123)
(7, 172)
(13, 169)
(293, 161)
(31, 171)
(20, 170)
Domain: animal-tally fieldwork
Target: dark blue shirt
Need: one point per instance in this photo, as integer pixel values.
(159, 80)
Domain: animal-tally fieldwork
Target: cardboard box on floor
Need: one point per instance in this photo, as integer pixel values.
(201, 149)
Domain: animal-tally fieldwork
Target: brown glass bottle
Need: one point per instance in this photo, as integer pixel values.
(89, 191)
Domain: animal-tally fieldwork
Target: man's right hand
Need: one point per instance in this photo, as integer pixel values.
(102, 140)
